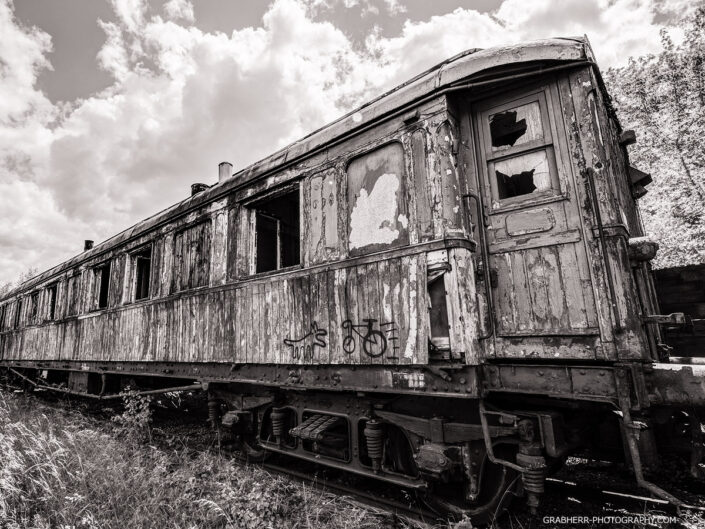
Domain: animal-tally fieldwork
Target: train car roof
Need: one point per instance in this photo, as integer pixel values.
(456, 71)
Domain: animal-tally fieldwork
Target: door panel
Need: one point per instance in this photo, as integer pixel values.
(534, 234)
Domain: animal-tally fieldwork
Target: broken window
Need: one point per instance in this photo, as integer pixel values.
(522, 175)
(102, 281)
(516, 126)
(33, 307)
(378, 215)
(518, 148)
(18, 314)
(51, 294)
(277, 232)
(192, 257)
(142, 262)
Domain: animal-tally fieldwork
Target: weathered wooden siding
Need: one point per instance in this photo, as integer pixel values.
(296, 319)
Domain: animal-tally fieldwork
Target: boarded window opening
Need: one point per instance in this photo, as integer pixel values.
(192, 257)
(34, 307)
(377, 208)
(18, 314)
(277, 237)
(102, 275)
(143, 268)
(51, 292)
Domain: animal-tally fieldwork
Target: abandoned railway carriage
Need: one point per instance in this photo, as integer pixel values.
(443, 289)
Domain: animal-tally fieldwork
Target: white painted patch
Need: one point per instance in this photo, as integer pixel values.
(456, 209)
(374, 216)
(357, 117)
(447, 138)
(405, 222)
(448, 172)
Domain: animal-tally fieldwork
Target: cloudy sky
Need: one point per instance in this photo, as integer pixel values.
(110, 109)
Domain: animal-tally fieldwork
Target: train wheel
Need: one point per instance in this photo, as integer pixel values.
(497, 488)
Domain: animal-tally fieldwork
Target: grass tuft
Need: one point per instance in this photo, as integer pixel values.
(60, 469)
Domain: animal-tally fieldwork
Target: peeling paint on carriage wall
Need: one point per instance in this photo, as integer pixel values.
(374, 215)
(378, 213)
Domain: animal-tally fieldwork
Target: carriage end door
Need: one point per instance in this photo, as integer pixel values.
(534, 236)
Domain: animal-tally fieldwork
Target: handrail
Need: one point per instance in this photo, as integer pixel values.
(482, 224)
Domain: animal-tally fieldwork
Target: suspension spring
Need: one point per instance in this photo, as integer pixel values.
(213, 412)
(278, 415)
(374, 436)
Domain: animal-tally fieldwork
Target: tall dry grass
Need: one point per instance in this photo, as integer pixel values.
(61, 470)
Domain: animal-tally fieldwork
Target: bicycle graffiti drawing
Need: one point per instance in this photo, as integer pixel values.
(374, 342)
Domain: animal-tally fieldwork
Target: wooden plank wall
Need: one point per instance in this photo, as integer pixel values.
(299, 319)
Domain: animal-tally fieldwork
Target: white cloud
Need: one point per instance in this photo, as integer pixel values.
(183, 100)
(179, 10)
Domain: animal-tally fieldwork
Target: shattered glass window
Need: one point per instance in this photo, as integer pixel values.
(523, 175)
(516, 126)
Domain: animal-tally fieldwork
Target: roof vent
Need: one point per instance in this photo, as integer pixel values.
(225, 170)
(87, 244)
(197, 188)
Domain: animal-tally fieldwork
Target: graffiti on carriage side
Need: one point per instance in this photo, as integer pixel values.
(305, 347)
(376, 339)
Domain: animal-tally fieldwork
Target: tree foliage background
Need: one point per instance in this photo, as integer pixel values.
(662, 97)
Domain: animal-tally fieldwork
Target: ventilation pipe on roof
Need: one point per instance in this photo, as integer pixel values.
(197, 188)
(225, 170)
(87, 244)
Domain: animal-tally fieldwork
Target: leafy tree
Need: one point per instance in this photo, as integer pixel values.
(663, 98)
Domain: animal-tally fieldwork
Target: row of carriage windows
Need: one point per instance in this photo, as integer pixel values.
(518, 158)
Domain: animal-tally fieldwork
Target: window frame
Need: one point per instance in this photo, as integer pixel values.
(177, 259)
(547, 144)
(403, 206)
(98, 285)
(17, 323)
(133, 277)
(251, 207)
(51, 303)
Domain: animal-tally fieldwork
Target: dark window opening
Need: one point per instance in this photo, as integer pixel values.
(51, 291)
(103, 278)
(143, 267)
(3, 312)
(18, 314)
(34, 307)
(277, 237)
(438, 310)
(505, 129)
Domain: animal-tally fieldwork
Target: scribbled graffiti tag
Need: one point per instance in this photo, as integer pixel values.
(305, 347)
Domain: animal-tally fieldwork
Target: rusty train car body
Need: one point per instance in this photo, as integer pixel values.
(443, 289)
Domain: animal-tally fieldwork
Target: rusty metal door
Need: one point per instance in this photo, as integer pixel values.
(539, 268)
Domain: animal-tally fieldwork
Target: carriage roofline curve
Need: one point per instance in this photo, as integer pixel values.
(453, 72)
